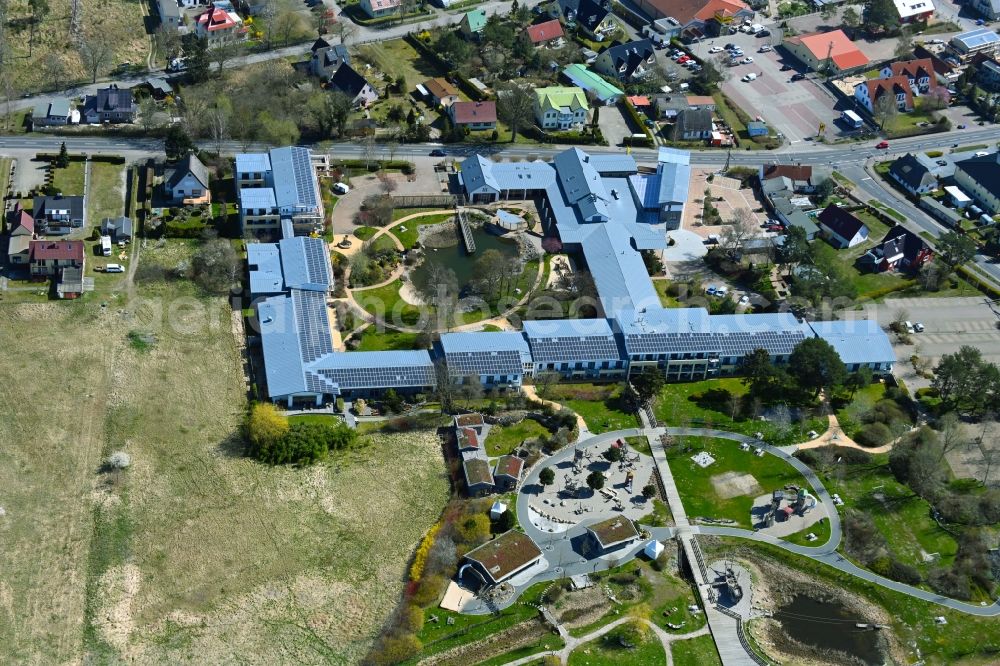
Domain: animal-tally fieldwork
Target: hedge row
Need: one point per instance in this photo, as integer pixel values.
(464, 84)
(634, 115)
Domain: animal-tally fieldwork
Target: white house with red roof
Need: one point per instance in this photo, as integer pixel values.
(47, 257)
(219, 24)
(474, 115)
(913, 11)
(547, 33)
(833, 51)
(868, 92)
(920, 73)
(378, 8)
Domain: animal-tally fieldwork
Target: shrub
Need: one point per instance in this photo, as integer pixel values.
(119, 460)
(429, 590)
(396, 649)
(873, 434)
(266, 426)
(420, 557)
(304, 443)
(412, 618)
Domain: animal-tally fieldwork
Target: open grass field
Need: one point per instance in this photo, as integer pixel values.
(599, 404)
(53, 42)
(504, 439)
(105, 192)
(70, 181)
(195, 552)
(371, 339)
(698, 651)
(408, 237)
(608, 651)
(397, 58)
(697, 491)
(706, 404)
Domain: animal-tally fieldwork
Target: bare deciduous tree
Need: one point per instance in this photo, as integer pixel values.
(95, 52)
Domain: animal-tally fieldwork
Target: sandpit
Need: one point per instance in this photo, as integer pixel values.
(734, 484)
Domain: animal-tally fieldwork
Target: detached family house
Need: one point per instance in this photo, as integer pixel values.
(840, 228)
(327, 58)
(593, 18)
(219, 25)
(913, 175)
(561, 107)
(919, 73)
(900, 250)
(48, 258)
(110, 105)
(356, 87)
(627, 62)
(472, 23)
(440, 92)
(867, 93)
(57, 215)
(22, 232)
(980, 176)
(549, 33)
(474, 115)
(188, 184)
(379, 8)
(693, 125)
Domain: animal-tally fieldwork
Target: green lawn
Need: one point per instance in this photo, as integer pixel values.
(706, 404)
(504, 439)
(698, 651)
(598, 404)
(364, 233)
(70, 180)
(383, 242)
(371, 339)
(666, 300)
(850, 414)
(400, 213)
(105, 194)
(397, 58)
(639, 443)
(660, 516)
(386, 304)
(608, 651)
(408, 236)
(695, 486)
(4, 174)
(328, 419)
(551, 642)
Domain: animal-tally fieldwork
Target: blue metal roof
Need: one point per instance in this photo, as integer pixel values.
(484, 341)
(976, 38)
(257, 197)
(252, 163)
(280, 341)
(581, 184)
(305, 263)
(856, 340)
(477, 172)
(619, 273)
(295, 185)
(674, 170)
(485, 353)
(264, 261)
(614, 163)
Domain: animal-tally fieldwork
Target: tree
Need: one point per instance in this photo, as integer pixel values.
(741, 227)
(850, 18)
(287, 24)
(440, 290)
(815, 364)
(490, 270)
(215, 266)
(177, 143)
(859, 379)
(474, 530)
(266, 426)
(147, 113)
(218, 121)
(825, 188)
(515, 106)
(707, 81)
(223, 53)
(595, 480)
(649, 491)
(95, 51)
(760, 375)
(955, 249)
(881, 16)
(613, 454)
(884, 109)
(796, 250)
(167, 41)
(648, 384)
(277, 131)
(196, 60)
(904, 45)
(392, 401)
(62, 159)
(39, 8)
(118, 460)
(452, 48)
(546, 477)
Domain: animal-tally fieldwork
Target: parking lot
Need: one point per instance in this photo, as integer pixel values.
(793, 108)
(614, 126)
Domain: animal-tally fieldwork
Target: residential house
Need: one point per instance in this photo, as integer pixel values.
(549, 33)
(868, 92)
(478, 476)
(798, 178)
(900, 250)
(188, 184)
(980, 177)
(22, 232)
(326, 58)
(561, 107)
(356, 87)
(988, 9)
(474, 115)
(693, 125)
(832, 51)
(842, 229)
(110, 105)
(48, 258)
(630, 61)
(706, 102)
(578, 75)
(592, 17)
(920, 73)
(507, 473)
(914, 11)
(440, 92)
(18, 250)
(757, 128)
(170, 13)
(613, 534)
(380, 8)
(118, 228)
(56, 112)
(501, 558)
(698, 18)
(668, 106)
(988, 75)
(220, 25)
(913, 175)
(472, 23)
(57, 215)
(156, 86)
(980, 40)
(275, 187)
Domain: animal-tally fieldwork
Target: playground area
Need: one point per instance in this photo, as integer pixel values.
(569, 500)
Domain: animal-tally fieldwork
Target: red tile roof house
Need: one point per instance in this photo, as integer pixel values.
(47, 258)
(920, 73)
(507, 474)
(831, 50)
(542, 34)
(219, 26)
(698, 18)
(868, 92)
(503, 558)
(474, 115)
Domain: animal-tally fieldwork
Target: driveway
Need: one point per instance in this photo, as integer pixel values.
(794, 109)
(613, 124)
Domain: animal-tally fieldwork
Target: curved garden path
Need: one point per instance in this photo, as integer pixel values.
(835, 436)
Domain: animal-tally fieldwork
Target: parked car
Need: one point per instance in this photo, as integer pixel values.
(683, 59)
(722, 292)
(711, 290)
(341, 188)
(962, 126)
(785, 68)
(918, 327)
(715, 49)
(730, 45)
(747, 61)
(798, 76)
(882, 145)
(764, 33)
(775, 227)
(980, 153)
(744, 299)
(437, 152)
(114, 268)
(747, 78)
(765, 49)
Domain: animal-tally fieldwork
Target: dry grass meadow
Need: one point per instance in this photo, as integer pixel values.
(195, 553)
(122, 22)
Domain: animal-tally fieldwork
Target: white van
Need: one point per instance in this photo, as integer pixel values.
(341, 188)
(114, 268)
(106, 246)
(752, 76)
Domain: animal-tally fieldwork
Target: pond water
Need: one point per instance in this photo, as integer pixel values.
(455, 257)
(827, 625)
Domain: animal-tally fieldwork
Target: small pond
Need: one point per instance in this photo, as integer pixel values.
(454, 256)
(827, 625)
